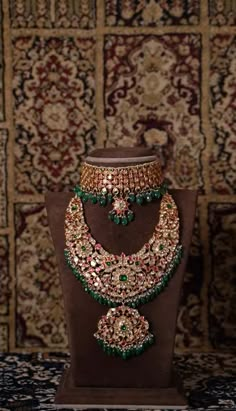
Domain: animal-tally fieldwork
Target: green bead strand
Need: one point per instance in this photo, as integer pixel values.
(148, 197)
(85, 197)
(130, 216)
(111, 215)
(102, 201)
(109, 198)
(94, 199)
(139, 199)
(124, 221)
(157, 194)
(116, 219)
(132, 198)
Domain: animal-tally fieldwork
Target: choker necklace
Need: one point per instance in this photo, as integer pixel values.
(121, 186)
(123, 281)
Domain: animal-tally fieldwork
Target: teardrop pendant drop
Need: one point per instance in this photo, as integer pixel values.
(120, 213)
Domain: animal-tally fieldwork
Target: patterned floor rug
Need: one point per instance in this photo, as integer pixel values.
(29, 381)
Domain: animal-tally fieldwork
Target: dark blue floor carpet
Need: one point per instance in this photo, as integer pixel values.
(29, 381)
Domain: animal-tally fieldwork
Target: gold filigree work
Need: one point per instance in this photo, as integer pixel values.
(123, 281)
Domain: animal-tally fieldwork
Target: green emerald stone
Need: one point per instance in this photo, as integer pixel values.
(148, 197)
(109, 198)
(108, 263)
(161, 247)
(139, 199)
(83, 248)
(169, 205)
(132, 197)
(111, 215)
(74, 207)
(78, 191)
(156, 194)
(116, 219)
(130, 216)
(123, 277)
(102, 201)
(124, 221)
(94, 199)
(123, 327)
(85, 197)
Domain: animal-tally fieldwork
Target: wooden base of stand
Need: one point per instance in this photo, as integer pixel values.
(129, 398)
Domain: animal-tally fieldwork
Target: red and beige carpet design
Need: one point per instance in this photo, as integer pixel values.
(75, 75)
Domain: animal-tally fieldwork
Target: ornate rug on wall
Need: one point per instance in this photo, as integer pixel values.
(79, 74)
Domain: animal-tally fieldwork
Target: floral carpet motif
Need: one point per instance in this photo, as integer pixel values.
(29, 381)
(60, 13)
(40, 324)
(153, 96)
(54, 110)
(222, 12)
(151, 13)
(223, 97)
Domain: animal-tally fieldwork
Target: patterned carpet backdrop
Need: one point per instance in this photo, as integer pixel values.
(75, 75)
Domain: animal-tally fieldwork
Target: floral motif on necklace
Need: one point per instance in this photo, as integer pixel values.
(123, 281)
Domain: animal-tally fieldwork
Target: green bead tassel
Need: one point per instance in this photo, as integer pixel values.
(157, 194)
(130, 216)
(102, 201)
(78, 192)
(109, 198)
(132, 198)
(111, 215)
(148, 197)
(139, 199)
(85, 197)
(116, 219)
(124, 221)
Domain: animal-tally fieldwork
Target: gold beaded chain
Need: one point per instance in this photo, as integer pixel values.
(121, 180)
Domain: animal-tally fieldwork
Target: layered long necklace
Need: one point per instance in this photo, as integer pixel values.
(123, 282)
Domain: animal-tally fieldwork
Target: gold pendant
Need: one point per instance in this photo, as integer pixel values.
(124, 332)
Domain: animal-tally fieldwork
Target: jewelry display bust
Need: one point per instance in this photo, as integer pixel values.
(95, 379)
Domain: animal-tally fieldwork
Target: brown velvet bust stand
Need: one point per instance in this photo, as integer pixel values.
(95, 379)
